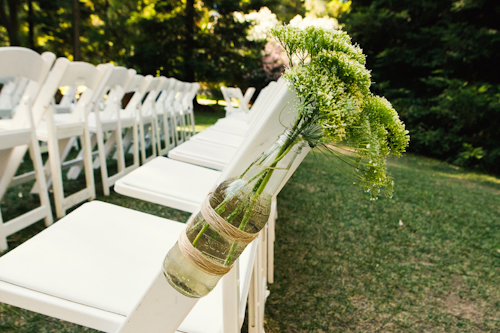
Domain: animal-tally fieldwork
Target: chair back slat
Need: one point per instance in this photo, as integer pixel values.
(269, 127)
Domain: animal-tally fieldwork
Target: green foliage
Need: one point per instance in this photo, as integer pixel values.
(189, 40)
(333, 88)
(437, 62)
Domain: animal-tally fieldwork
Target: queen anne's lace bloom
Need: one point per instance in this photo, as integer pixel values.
(329, 76)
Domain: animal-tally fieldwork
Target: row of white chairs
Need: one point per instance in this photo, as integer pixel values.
(100, 266)
(184, 179)
(89, 116)
(111, 280)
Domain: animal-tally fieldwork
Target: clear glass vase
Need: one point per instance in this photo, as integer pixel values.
(196, 263)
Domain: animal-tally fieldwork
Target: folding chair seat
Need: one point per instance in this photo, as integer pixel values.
(100, 267)
(18, 134)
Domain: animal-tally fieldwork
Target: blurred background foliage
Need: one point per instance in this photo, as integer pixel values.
(435, 60)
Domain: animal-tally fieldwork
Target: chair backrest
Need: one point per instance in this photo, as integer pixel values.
(22, 63)
(137, 87)
(153, 91)
(249, 94)
(266, 131)
(190, 95)
(236, 93)
(181, 88)
(73, 74)
(165, 93)
(174, 89)
(228, 93)
(114, 84)
(262, 99)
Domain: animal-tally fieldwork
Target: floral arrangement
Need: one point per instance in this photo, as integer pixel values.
(334, 107)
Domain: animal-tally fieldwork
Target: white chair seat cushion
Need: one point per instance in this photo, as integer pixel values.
(223, 138)
(12, 138)
(204, 154)
(80, 273)
(170, 183)
(67, 261)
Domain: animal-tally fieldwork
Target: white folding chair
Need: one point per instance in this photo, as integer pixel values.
(84, 270)
(18, 134)
(147, 118)
(176, 110)
(59, 130)
(187, 124)
(242, 109)
(108, 121)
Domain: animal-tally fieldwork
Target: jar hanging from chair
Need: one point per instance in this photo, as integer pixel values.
(230, 219)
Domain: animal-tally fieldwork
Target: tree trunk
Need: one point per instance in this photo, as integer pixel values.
(189, 45)
(10, 21)
(31, 26)
(76, 30)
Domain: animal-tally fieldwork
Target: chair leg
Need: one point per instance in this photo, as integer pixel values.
(56, 172)
(158, 126)
(87, 160)
(75, 170)
(135, 145)
(102, 161)
(271, 227)
(36, 157)
(119, 149)
(154, 134)
(3, 236)
(108, 147)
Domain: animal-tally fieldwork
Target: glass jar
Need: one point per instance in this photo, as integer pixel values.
(231, 217)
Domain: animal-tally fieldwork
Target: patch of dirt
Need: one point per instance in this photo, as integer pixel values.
(459, 307)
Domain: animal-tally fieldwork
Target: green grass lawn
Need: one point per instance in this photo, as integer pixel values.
(427, 260)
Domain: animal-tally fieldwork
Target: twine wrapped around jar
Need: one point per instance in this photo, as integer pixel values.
(222, 227)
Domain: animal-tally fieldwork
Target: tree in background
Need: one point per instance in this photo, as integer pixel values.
(437, 62)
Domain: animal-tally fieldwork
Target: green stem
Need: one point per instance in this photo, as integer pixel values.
(260, 186)
(243, 223)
